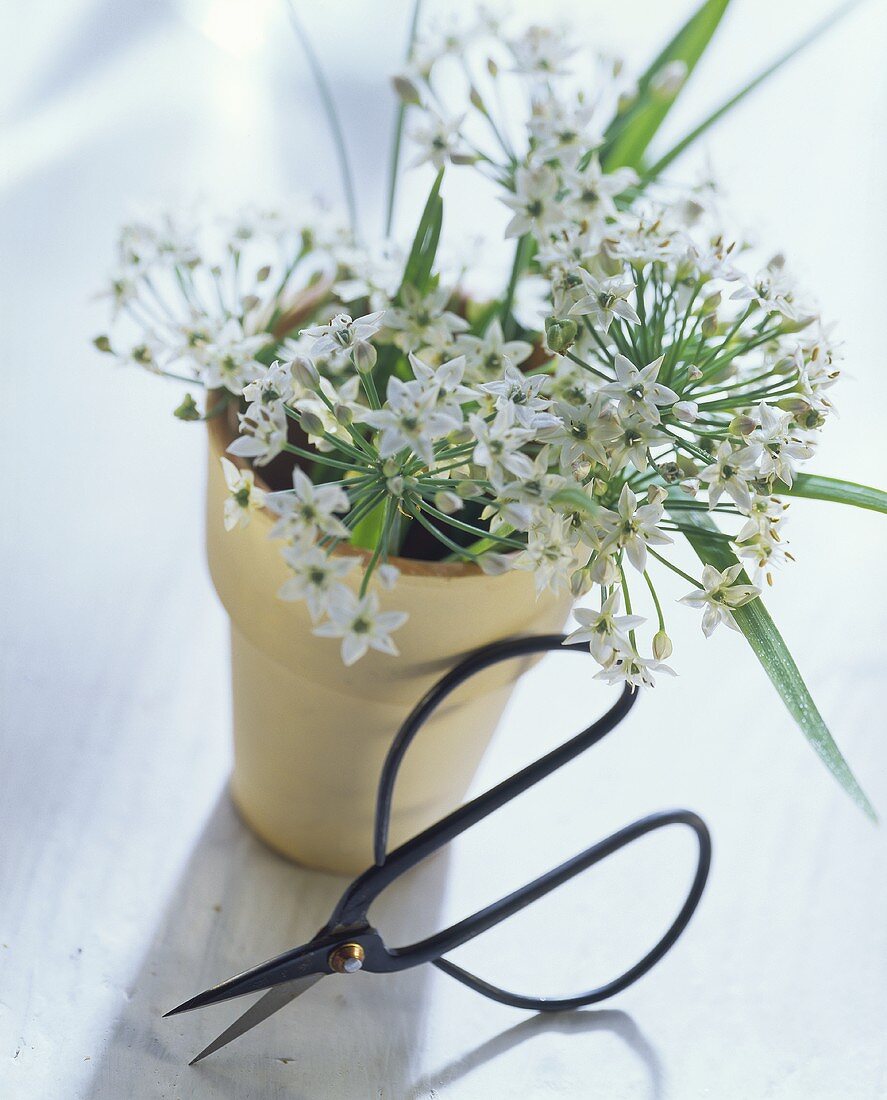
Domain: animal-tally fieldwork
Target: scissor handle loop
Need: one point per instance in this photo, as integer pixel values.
(474, 663)
(564, 873)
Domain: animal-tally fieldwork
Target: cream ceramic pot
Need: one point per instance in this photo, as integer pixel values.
(310, 735)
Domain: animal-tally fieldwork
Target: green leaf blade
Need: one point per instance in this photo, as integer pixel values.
(766, 642)
(693, 136)
(630, 133)
(815, 487)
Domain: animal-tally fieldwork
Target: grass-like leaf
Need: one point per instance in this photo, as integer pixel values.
(632, 130)
(835, 490)
(424, 248)
(766, 641)
(399, 118)
(728, 105)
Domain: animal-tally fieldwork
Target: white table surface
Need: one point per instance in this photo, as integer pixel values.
(126, 880)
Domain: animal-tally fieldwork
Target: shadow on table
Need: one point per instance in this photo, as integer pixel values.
(569, 1023)
(235, 904)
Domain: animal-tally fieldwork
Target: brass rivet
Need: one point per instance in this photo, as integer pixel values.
(347, 959)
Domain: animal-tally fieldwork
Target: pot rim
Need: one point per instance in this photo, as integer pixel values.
(221, 435)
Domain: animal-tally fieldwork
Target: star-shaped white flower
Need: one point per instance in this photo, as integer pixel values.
(307, 509)
(719, 595)
(605, 630)
(360, 624)
(638, 392)
(632, 528)
(315, 575)
(243, 497)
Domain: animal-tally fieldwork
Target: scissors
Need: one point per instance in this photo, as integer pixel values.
(348, 943)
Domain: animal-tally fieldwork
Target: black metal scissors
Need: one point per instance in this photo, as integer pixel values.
(348, 943)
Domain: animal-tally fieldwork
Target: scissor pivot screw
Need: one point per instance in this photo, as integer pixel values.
(347, 959)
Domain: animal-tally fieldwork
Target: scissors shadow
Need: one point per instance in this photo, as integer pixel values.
(570, 1023)
(235, 904)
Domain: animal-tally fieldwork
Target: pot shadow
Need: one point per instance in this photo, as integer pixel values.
(236, 903)
(570, 1023)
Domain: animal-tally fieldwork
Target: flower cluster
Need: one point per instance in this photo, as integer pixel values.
(672, 385)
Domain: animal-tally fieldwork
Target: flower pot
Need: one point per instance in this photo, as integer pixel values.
(310, 735)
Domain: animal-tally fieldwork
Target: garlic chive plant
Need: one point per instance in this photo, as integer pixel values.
(671, 385)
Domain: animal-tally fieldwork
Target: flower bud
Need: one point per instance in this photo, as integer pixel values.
(311, 423)
(685, 411)
(656, 494)
(188, 409)
(560, 332)
(304, 372)
(388, 575)
(343, 414)
(668, 80)
(580, 582)
(494, 564)
(103, 344)
(406, 90)
(447, 502)
(742, 425)
(390, 467)
(467, 490)
(363, 355)
(709, 325)
(602, 569)
(662, 647)
(694, 374)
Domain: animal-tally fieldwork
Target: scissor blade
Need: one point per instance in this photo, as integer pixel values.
(266, 975)
(265, 1006)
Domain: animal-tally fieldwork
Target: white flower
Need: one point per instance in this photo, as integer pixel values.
(604, 630)
(524, 393)
(438, 139)
(315, 574)
(360, 624)
(773, 447)
(533, 491)
(499, 445)
(488, 357)
(561, 129)
(412, 417)
(273, 386)
(243, 499)
(423, 321)
(719, 596)
(627, 667)
(445, 379)
(548, 555)
(637, 390)
(585, 432)
(229, 359)
(535, 204)
(729, 473)
(543, 50)
(593, 191)
(605, 300)
(633, 441)
(263, 433)
(631, 528)
(308, 508)
(343, 333)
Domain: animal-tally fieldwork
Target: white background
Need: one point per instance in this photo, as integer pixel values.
(126, 882)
